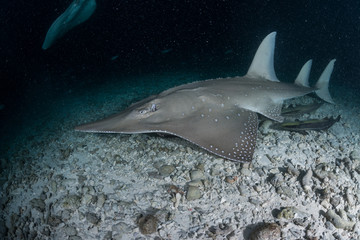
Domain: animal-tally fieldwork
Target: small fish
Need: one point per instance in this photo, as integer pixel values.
(228, 51)
(114, 57)
(307, 125)
(78, 12)
(166, 50)
(300, 109)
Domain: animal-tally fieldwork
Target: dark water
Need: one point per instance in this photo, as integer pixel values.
(129, 43)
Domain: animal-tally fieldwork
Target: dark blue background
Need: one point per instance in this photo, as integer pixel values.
(209, 37)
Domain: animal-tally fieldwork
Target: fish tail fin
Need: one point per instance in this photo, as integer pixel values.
(322, 84)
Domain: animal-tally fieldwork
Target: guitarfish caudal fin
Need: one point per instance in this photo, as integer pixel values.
(323, 83)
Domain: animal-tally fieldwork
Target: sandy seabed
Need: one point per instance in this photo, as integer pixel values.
(60, 184)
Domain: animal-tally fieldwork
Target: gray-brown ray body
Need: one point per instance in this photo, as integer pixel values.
(219, 115)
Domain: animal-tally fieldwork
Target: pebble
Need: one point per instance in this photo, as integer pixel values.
(100, 200)
(70, 231)
(108, 236)
(245, 172)
(264, 161)
(189, 150)
(303, 222)
(216, 170)
(244, 191)
(72, 202)
(54, 221)
(266, 231)
(357, 228)
(86, 199)
(338, 221)
(329, 226)
(74, 238)
(147, 224)
(324, 170)
(46, 231)
(222, 229)
(255, 200)
(286, 190)
(196, 183)
(325, 203)
(277, 180)
(350, 197)
(231, 179)
(334, 143)
(265, 127)
(197, 175)
(193, 193)
(36, 214)
(120, 236)
(335, 201)
(286, 213)
(91, 189)
(81, 216)
(53, 186)
(291, 212)
(38, 204)
(92, 218)
(2, 228)
(257, 188)
(46, 189)
(292, 170)
(121, 227)
(306, 181)
(81, 179)
(166, 170)
(355, 155)
(43, 196)
(201, 167)
(65, 215)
